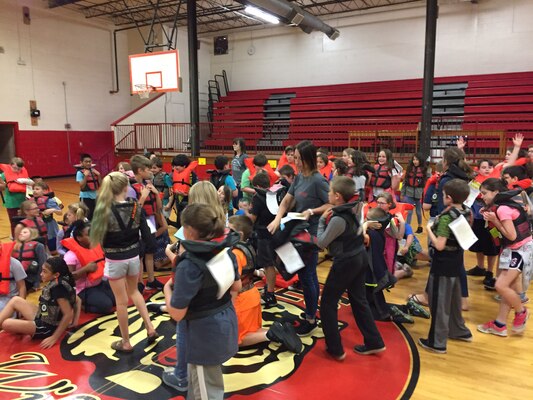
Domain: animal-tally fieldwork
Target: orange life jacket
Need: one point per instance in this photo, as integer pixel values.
(283, 161)
(271, 174)
(5, 262)
(26, 253)
(150, 204)
(403, 208)
(86, 256)
(182, 181)
(382, 177)
(326, 171)
(11, 177)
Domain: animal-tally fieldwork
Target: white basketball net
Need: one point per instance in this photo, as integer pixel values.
(144, 90)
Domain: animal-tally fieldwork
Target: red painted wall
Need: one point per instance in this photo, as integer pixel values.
(46, 153)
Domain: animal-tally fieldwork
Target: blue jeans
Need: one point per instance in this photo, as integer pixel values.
(418, 209)
(181, 347)
(309, 280)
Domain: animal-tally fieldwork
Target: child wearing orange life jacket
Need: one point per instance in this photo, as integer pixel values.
(287, 158)
(183, 177)
(89, 179)
(47, 206)
(29, 211)
(258, 164)
(324, 166)
(87, 267)
(511, 226)
(12, 282)
(31, 255)
(413, 187)
(386, 176)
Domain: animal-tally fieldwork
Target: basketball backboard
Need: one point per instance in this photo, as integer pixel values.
(158, 70)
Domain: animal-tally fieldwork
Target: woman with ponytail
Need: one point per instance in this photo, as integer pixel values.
(55, 312)
(115, 226)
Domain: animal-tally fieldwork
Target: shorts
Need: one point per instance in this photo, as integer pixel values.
(520, 259)
(266, 257)
(43, 330)
(118, 269)
(485, 243)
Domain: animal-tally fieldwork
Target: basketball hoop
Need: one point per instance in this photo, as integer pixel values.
(144, 90)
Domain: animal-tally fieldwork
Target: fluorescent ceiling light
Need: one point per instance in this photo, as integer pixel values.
(256, 12)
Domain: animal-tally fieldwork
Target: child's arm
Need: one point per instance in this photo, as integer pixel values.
(328, 233)
(439, 242)
(408, 242)
(505, 227)
(177, 314)
(68, 312)
(401, 228)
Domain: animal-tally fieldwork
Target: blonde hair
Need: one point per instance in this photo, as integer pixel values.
(112, 185)
(204, 220)
(204, 192)
(25, 206)
(34, 233)
(125, 165)
(80, 210)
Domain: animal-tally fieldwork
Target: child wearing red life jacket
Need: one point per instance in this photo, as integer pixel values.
(511, 227)
(29, 211)
(394, 232)
(48, 206)
(413, 187)
(386, 176)
(31, 255)
(87, 267)
(89, 179)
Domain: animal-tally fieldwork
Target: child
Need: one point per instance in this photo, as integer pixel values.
(87, 267)
(116, 227)
(287, 158)
(340, 230)
(30, 211)
(50, 319)
(516, 177)
(31, 255)
(211, 326)
(244, 207)
(360, 171)
(511, 223)
(386, 176)
(256, 165)
(48, 206)
(324, 166)
(413, 187)
(75, 212)
(183, 177)
(15, 284)
(407, 254)
(339, 167)
(162, 181)
(394, 232)
(248, 302)
(89, 179)
(162, 239)
(444, 287)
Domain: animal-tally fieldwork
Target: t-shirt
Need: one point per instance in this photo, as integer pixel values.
(264, 217)
(89, 194)
(230, 182)
(310, 192)
(245, 183)
(409, 231)
(508, 213)
(17, 272)
(12, 200)
(211, 340)
(238, 166)
(446, 263)
(83, 283)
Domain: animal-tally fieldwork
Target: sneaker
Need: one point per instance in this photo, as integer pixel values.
(519, 321)
(488, 278)
(140, 286)
(170, 379)
(523, 298)
(424, 343)
(465, 338)
(154, 285)
(268, 299)
(336, 357)
(491, 327)
(367, 350)
(399, 316)
(419, 229)
(416, 310)
(286, 335)
(489, 284)
(476, 271)
(306, 328)
(155, 307)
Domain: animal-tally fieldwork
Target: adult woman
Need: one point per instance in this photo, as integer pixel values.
(308, 195)
(238, 166)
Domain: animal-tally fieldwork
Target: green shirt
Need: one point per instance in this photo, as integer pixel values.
(12, 200)
(443, 228)
(245, 183)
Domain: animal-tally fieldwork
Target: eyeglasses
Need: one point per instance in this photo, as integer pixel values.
(381, 203)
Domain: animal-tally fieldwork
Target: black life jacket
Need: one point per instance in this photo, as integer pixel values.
(451, 243)
(160, 185)
(247, 273)
(351, 241)
(150, 204)
(381, 177)
(123, 228)
(205, 302)
(218, 178)
(37, 223)
(26, 254)
(49, 310)
(416, 178)
(522, 224)
(91, 181)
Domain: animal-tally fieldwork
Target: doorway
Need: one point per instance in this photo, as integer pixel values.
(7, 141)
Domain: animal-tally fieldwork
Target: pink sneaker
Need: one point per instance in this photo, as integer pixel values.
(519, 322)
(491, 327)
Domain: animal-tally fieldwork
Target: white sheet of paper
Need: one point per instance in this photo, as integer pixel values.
(221, 267)
(290, 257)
(463, 232)
(292, 215)
(151, 223)
(272, 203)
(474, 192)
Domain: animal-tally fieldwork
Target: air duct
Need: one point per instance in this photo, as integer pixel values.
(294, 14)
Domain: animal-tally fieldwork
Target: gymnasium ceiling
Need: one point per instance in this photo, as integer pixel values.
(213, 15)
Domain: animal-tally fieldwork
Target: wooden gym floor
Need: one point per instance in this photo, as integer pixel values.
(490, 367)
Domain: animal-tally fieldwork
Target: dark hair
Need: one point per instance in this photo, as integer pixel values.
(421, 163)
(490, 162)
(360, 162)
(58, 265)
(42, 185)
(324, 157)
(515, 171)
(376, 213)
(453, 155)
(157, 162)
(340, 166)
(260, 160)
(220, 162)
(494, 185)
(390, 158)
(137, 162)
(203, 218)
(457, 189)
(261, 180)
(286, 170)
(243, 224)
(148, 154)
(83, 156)
(180, 160)
(77, 227)
(344, 186)
(322, 150)
(241, 143)
(288, 149)
(34, 177)
(307, 151)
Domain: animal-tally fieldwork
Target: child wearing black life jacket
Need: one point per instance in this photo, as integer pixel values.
(87, 267)
(48, 206)
(89, 179)
(444, 287)
(195, 295)
(116, 227)
(340, 230)
(386, 176)
(413, 187)
(29, 211)
(511, 227)
(49, 320)
(31, 255)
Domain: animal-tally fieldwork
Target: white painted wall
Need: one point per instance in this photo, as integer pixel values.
(59, 46)
(490, 37)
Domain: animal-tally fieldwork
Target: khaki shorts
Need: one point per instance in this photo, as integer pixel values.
(519, 259)
(118, 269)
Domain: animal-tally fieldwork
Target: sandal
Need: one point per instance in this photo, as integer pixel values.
(119, 346)
(415, 298)
(152, 338)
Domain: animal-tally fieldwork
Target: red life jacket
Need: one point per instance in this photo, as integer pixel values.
(150, 204)
(86, 256)
(416, 178)
(271, 174)
(37, 223)
(182, 181)
(41, 203)
(91, 181)
(5, 262)
(382, 177)
(26, 253)
(11, 177)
